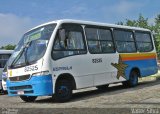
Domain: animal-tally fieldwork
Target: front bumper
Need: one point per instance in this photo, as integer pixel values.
(35, 86)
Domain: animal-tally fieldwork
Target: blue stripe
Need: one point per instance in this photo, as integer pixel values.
(147, 67)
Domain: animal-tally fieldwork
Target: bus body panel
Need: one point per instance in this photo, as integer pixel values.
(88, 70)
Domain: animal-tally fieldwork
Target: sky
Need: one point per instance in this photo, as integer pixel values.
(18, 16)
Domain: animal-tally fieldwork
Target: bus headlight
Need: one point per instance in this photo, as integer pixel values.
(41, 73)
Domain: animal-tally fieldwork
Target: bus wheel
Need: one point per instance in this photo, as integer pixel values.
(63, 91)
(102, 87)
(133, 79)
(28, 98)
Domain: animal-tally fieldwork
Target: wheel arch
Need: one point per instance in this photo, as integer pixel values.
(137, 70)
(69, 77)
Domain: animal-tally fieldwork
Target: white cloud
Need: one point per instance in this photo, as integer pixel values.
(12, 28)
(122, 10)
(75, 10)
(125, 7)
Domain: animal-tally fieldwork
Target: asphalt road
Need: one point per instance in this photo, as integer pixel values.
(145, 95)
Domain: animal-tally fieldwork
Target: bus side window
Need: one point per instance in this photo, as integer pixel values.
(3, 59)
(99, 40)
(143, 41)
(124, 41)
(69, 42)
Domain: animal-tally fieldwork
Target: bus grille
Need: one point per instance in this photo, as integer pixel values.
(20, 87)
(19, 78)
(25, 92)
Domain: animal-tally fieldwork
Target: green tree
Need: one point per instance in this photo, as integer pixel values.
(131, 23)
(8, 47)
(142, 22)
(156, 30)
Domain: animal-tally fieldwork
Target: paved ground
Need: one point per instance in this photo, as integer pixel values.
(145, 95)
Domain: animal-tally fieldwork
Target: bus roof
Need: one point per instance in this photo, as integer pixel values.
(6, 51)
(92, 23)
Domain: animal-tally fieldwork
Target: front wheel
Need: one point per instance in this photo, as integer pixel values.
(133, 79)
(63, 91)
(28, 98)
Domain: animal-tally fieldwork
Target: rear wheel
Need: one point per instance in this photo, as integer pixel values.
(63, 91)
(133, 79)
(102, 87)
(28, 98)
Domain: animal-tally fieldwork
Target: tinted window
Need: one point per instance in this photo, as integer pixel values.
(105, 34)
(3, 59)
(142, 37)
(91, 34)
(72, 44)
(124, 41)
(99, 40)
(143, 41)
(123, 35)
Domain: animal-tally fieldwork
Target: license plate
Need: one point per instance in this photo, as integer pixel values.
(20, 92)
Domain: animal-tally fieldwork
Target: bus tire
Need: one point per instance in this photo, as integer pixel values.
(63, 91)
(133, 79)
(102, 87)
(28, 98)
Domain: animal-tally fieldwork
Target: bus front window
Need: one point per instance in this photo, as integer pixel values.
(32, 46)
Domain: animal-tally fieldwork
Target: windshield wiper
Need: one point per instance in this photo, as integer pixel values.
(20, 54)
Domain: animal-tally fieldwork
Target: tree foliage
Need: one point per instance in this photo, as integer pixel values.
(8, 47)
(143, 23)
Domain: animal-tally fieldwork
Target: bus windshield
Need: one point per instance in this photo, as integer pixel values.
(32, 46)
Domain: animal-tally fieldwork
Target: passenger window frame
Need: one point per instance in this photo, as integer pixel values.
(80, 51)
(99, 40)
(145, 32)
(125, 30)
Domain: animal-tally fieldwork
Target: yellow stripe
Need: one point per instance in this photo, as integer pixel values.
(138, 56)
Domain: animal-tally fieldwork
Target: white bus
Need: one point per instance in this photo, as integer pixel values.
(4, 56)
(55, 58)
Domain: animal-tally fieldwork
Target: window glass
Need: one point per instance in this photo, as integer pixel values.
(94, 46)
(144, 47)
(142, 37)
(2, 63)
(72, 44)
(74, 41)
(91, 34)
(125, 47)
(3, 59)
(123, 35)
(107, 46)
(4, 56)
(143, 41)
(124, 41)
(105, 34)
(99, 40)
